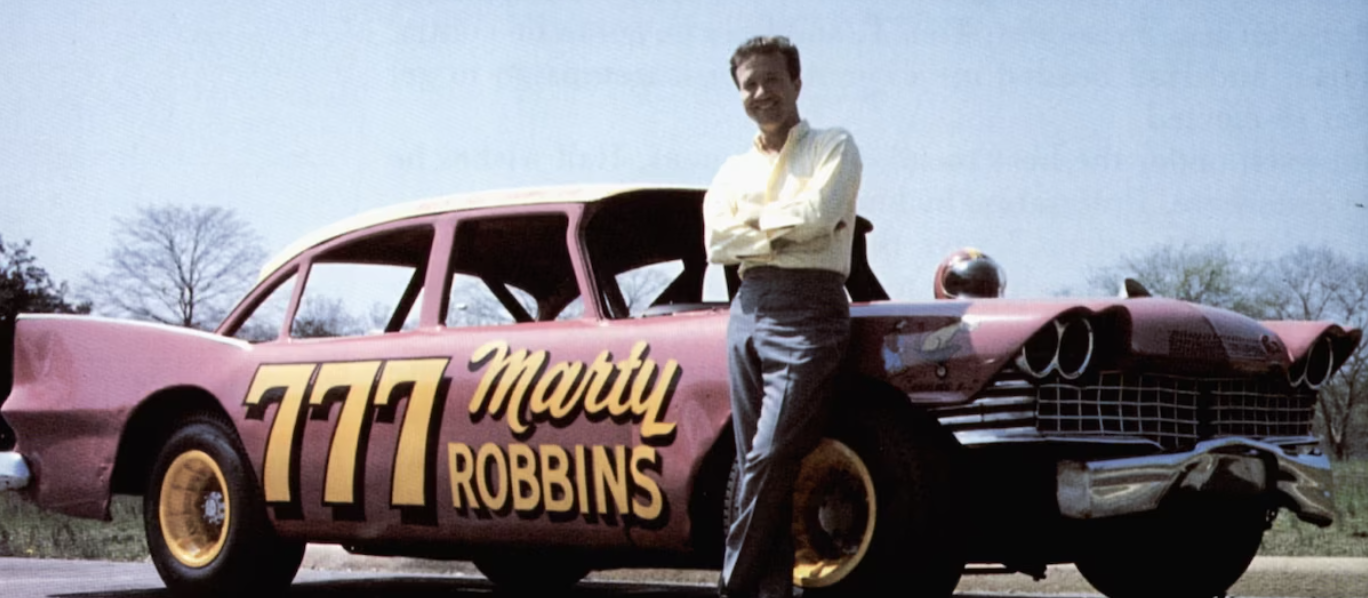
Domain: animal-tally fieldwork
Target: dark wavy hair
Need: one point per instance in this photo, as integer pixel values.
(767, 44)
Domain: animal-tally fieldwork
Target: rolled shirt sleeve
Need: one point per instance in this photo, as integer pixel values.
(729, 235)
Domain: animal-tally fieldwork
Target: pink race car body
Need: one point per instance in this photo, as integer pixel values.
(541, 372)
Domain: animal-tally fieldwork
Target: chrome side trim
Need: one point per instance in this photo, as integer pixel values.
(1002, 435)
(957, 421)
(1030, 435)
(1092, 489)
(14, 471)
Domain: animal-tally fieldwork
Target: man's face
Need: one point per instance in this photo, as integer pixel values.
(768, 93)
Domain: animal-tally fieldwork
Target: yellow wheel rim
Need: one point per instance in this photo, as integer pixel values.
(834, 511)
(194, 509)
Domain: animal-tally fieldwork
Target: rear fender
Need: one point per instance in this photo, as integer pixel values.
(77, 381)
(1300, 337)
(6, 377)
(148, 428)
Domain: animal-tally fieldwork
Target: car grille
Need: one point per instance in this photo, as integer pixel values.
(1250, 408)
(1164, 410)
(1175, 412)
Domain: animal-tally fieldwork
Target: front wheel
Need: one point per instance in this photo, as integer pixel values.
(206, 525)
(873, 512)
(1192, 550)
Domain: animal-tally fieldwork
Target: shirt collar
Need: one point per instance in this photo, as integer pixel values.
(794, 136)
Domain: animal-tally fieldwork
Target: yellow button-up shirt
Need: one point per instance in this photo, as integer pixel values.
(793, 209)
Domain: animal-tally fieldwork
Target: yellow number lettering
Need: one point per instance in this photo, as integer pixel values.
(339, 485)
(409, 481)
(276, 474)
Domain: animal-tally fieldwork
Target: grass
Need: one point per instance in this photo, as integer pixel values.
(1348, 536)
(26, 531)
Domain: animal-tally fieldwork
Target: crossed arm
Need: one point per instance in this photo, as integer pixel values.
(738, 230)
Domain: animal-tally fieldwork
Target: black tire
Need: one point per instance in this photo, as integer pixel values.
(904, 543)
(516, 575)
(205, 519)
(1191, 550)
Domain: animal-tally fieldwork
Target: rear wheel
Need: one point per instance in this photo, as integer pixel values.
(873, 513)
(1191, 550)
(206, 525)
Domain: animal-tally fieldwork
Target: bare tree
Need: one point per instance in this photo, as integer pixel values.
(1321, 284)
(473, 304)
(1210, 275)
(322, 316)
(1305, 284)
(177, 265)
(1347, 393)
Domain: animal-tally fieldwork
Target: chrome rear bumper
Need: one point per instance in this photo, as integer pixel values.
(1237, 466)
(14, 471)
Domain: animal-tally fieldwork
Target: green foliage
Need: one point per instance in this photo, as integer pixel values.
(1348, 536)
(27, 531)
(26, 288)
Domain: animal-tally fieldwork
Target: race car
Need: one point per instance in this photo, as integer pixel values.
(535, 380)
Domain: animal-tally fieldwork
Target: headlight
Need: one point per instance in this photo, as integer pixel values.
(1066, 347)
(1075, 348)
(1038, 354)
(1320, 362)
(1296, 373)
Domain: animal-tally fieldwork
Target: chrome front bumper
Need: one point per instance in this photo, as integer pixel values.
(1237, 466)
(14, 471)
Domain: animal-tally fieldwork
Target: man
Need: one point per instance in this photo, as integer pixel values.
(785, 212)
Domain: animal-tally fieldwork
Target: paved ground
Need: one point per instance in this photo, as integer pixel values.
(1267, 577)
(331, 573)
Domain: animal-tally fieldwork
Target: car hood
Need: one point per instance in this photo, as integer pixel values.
(944, 352)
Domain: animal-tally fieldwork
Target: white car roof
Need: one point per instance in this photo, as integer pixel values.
(458, 202)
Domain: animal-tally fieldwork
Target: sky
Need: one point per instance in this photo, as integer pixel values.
(1056, 136)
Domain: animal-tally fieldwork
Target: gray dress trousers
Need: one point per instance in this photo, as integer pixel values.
(787, 332)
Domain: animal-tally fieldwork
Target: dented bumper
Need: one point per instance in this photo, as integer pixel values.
(14, 471)
(1299, 475)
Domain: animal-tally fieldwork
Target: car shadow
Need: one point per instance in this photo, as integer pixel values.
(449, 587)
(433, 587)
